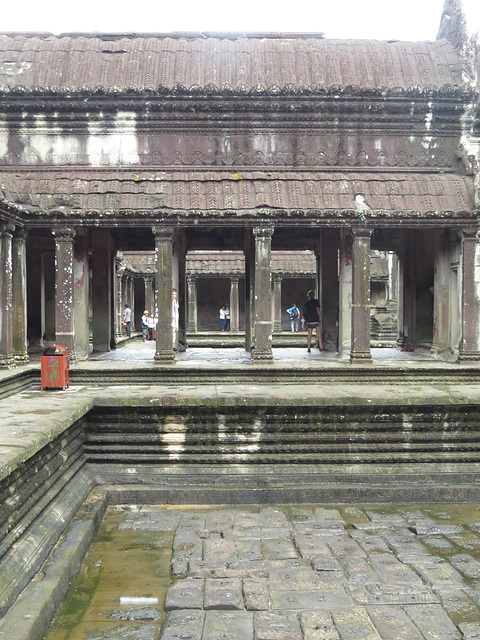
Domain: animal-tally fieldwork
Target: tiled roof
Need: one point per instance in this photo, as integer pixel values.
(239, 63)
(211, 191)
(217, 263)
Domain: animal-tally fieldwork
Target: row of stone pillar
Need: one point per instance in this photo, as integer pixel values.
(72, 293)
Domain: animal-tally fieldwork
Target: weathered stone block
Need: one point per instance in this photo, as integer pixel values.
(256, 594)
(231, 625)
(318, 625)
(183, 625)
(185, 594)
(223, 594)
(277, 626)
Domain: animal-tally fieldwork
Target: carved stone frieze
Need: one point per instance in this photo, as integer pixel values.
(320, 157)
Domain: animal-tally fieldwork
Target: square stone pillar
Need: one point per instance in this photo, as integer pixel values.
(470, 301)
(249, 288)
(102, 289)
(81, 295)
(277, 303)
(192, 304)
(360, 352)
(263, 325)
(180, 283)
(7, 359)
(64, 288)
(440, 294)
(163, 294)
(19, 268)
(328, 278)
(149, 294)
(345, 296)
(234, 304)
(409, 289)
(131, 298)
(119, 304)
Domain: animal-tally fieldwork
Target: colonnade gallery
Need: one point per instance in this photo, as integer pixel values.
(171, 144)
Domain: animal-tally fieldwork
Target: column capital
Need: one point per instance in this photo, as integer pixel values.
(361, 232)
(20, 233)
(63, 234)
(7, 228)
(264, 231)
(469, 233)
(163, 232)
(192, 277)
(277, 277)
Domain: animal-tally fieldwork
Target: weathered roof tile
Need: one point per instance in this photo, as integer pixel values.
(240, 63)
(210, 191)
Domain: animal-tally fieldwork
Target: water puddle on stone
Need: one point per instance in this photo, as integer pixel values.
(293, 572)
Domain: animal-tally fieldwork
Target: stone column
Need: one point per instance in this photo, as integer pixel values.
(131, 297)
(119, 304)
(470, 301)
(19, 268)
(81, 293)
(64, 287)
(345, 296)
(192, 304)
(163, 293)
(263, 293)
(440, 294)
(249, 287)
(409, 289)
(277, 303)
(149, 294)
(102, 284)
(7, 359)
(329, 285)
(234, 304)
(361, 296)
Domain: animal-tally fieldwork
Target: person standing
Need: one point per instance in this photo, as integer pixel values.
(145, 325)
(294, 312)
(222, 319)
(151, 326)
(127, 318)
(175, 316)
(313, 320)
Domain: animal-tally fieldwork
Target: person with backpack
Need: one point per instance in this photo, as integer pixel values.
(294, 312)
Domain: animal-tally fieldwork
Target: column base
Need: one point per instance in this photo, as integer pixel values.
(7, 362)
(361, 357)
(265, 356)
(21, 359)
(167, 356)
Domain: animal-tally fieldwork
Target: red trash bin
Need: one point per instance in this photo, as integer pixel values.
(54, 367)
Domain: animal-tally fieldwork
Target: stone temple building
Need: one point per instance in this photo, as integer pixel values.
(174, 143)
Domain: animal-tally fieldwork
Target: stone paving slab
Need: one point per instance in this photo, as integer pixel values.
(368, 593)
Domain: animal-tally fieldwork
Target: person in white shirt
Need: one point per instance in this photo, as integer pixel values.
(145, 325)
(151, 326)
(222, 319)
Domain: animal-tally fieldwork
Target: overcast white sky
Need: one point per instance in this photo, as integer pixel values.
(381, 19)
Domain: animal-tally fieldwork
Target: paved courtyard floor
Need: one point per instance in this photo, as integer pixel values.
(298, 572)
